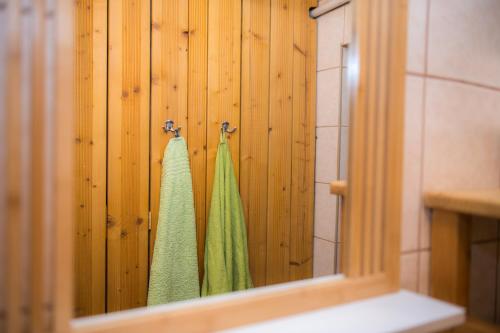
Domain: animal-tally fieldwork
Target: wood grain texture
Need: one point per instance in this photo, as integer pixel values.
(16, 292)
(450, 257)
(197, 116)
(128, 154)
(211, 315)
(255, 131)
(373, 198)
(479, 202)
(280, 142)
(169, 77)
(224, 70)
(90, 156)
(254, 307)
(3, 168)
(303, 142)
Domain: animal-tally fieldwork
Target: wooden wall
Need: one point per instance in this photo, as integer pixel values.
(198, 62)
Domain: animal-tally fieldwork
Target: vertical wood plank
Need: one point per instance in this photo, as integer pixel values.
(303, 142)
(224, 48)
(90, 162)
(38, 169)
(353, 222)
(169, 54)
(371, 130)
(99, 147)
(374, 193)
(394, 139)
(280, 136)
(380, 139)
(128, 154)
(3, 167)
(450, 257)
(61, 40)
(255, 131)
(16, 203)
(197, 117)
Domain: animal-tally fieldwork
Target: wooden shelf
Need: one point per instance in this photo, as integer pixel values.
(338, 187)
(478, 202)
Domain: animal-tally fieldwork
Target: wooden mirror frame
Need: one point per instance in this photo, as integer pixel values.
(38, 188)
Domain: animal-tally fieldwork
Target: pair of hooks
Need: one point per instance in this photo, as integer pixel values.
(169, 127)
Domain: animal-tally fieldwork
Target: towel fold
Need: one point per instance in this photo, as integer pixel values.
(174, 269)
(226, 253)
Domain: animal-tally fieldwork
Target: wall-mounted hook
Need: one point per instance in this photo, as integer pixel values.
(169, 127)
(225, 127)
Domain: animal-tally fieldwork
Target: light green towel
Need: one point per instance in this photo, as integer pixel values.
(226, 256)
(174, 270)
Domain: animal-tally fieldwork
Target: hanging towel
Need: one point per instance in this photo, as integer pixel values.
(226, 254)
(174, 269)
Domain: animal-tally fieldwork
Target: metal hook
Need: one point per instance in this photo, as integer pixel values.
(169, 127)
(225, 128)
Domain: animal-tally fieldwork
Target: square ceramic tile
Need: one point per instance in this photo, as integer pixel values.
(325, 213)
(412, 163)
(462, 136)
(424, 272)
(344, 93)
(324, 257)
(483, 229)
(409, 271)
(326, 154)
(330, 36)
(348, 27)
(464, 40)
(483, 269)
(417, 20)
(344, 152)
(328, 97)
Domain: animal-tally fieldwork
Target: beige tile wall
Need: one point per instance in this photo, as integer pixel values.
(452, 132)
(331, 135)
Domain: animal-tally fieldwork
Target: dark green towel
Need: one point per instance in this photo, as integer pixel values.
(174, 270)
(226, 254)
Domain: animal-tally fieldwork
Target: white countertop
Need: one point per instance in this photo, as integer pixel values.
(403, 311)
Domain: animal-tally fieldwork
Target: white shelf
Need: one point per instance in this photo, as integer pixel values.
(403, 311)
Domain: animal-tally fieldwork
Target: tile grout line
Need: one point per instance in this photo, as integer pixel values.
(454, 80)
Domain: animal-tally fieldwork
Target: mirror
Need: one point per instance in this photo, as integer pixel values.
(278, 77)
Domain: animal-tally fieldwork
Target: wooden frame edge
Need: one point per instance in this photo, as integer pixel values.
(229, 311)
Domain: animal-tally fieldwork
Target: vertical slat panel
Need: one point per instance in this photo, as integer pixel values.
(353, 227)
(128, 154)
(59, 45)
(394, 139)
(371, 130)
(280, 136)
(3, 166)
(197, 118)
(303, 143)
(99, 147)
(169, 70)
(16, 320)
(90, 163)
(37, 173)
(380, 139)
(374, 193)
(224, 48)
(255, 131)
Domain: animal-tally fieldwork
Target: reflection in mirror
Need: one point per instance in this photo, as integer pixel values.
(157, 215)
